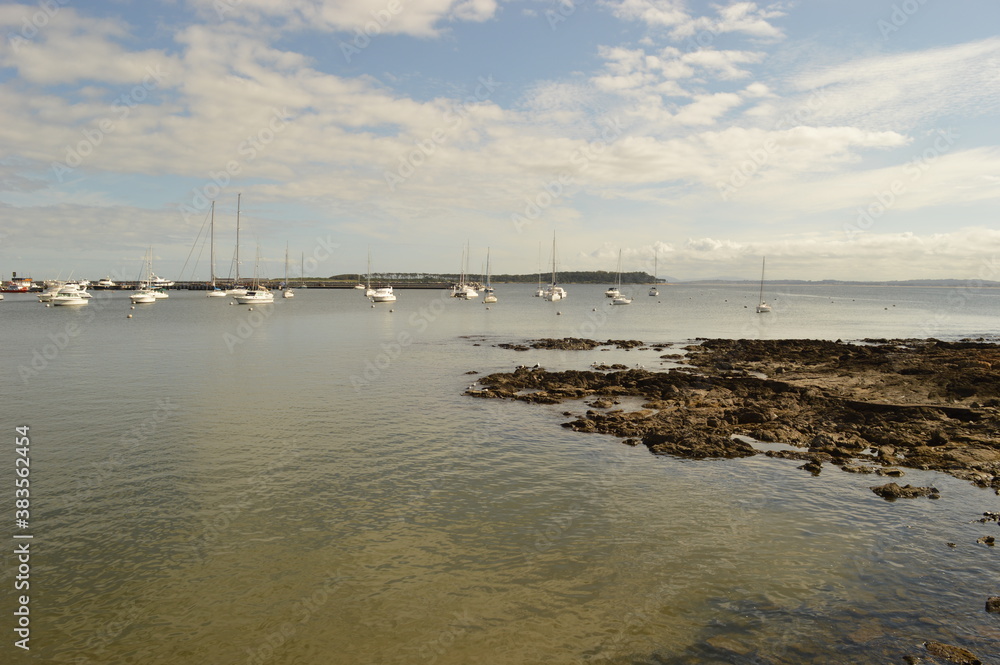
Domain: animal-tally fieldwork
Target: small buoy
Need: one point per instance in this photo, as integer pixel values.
(486, 308)
(129, 316)
(373, 306)
(132, 307)
(251, 309)
(48, 305)
(594, 310)
(392, 310)
(232, 303)
(558, 313)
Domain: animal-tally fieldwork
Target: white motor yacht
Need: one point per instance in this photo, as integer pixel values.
(384, 294)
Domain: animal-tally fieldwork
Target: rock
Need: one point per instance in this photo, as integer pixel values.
(993, 604)
(892, 491)
(987, 540)
(472, 371)
(858, 468)
(952, 654)
(604, 403)
(812, 467)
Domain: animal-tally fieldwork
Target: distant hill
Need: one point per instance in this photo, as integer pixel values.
(945, 283)
(605, 277)
(567, 277)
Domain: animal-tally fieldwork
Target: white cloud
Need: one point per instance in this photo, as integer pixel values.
(738, 17)
(903, 90)
(420, 18)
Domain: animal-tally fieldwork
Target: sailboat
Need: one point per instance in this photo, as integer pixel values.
(762, 307)
(615, 291)
(302, 271)
(653, 291)
(215, 291)
(287, 292)
(620, 299)
(369, 291)
(554, 293)
(462, 290)
(145, 294)
(237, 289)
(490, 297)
(257, 293)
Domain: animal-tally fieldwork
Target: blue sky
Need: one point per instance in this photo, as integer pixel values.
(842, 139)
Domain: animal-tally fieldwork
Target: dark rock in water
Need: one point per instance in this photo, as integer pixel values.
(993, 604)
(952, 654)
(604, 403)
(987, 540)
(513, 347)
(472, 371)
(812, 467)
(696, 444)
(892, 491)
(890, 471)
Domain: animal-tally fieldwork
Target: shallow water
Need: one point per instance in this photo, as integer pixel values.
(306, 483)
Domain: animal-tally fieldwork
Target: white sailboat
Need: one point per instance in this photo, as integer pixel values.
(762, 307)
(463, 290)
(237, 289)
(620, 299)
(615, 291)
(215, 291)
(554, 293)
(145, 295)
(382, 293)
(490, 296)
(287, 292)
(257, 293)
(653, 291)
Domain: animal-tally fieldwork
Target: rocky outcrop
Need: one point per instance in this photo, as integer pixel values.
(879, 407)
(892, 491)
(952, 654)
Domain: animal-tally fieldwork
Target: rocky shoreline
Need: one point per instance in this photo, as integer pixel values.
(878, 406)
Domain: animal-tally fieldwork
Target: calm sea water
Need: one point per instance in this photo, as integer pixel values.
(306, 483)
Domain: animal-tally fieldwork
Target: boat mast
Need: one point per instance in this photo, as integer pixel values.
(539, 265)
(212, 243)
(763, 260)
(553, 258)
(237, 282)
(619, 285)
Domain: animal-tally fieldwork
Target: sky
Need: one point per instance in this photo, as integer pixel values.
(841, 139)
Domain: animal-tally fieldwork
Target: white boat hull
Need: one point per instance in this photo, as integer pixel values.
(68, 300)
(216, 293)
(255, 297)
(621, 300)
